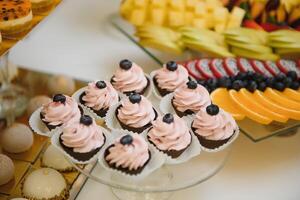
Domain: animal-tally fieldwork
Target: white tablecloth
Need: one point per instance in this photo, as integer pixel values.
(78, 41)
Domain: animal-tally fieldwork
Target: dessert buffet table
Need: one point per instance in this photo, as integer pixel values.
(77, 40)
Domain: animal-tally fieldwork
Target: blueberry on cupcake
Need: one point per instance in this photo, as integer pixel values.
(214, 127)
(129, 78)
(170, 135)
(99, 96)
(170, 77)
(82, 139)
(190, 98)
(61, 110)
(135, 113)
(129, 154)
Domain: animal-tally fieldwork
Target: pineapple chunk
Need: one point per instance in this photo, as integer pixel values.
(141, 3)
(220, 15)
(176, 18)
(220, 27)
(190, 4)
(200, 9)
(138, 17)
(126, 7)
(213, 4)
(177, 4)
(158, 16)
(199, 23)
(209, 20)
(236, 17)
(159, 3)
(188, 18)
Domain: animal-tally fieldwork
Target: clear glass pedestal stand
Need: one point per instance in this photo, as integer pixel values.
(163, 182)
(13, 98)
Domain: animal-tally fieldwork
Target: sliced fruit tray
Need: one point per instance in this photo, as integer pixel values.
(264, 93)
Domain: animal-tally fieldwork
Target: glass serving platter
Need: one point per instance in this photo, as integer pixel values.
(254, 131)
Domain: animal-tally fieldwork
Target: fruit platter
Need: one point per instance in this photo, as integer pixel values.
(263, 30)
(264, 94)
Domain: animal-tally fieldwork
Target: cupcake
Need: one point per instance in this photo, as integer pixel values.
(130, 78)
(213, 127)
(60, 111)
(135, 113)
(15, 17)
(36, 102)
(170, 135)
(189, 98)
(129, 154)
(45, 183)
(99, 96)
(83, 139)
(169, 77)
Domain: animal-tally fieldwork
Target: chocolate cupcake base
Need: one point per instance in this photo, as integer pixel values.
(51, 127)
(130, 92)
(125, 170)
(80, 156)
(133, 129)
(210, 144)
(172, 153)
(100, 113)
(179, 113)
(162, 92)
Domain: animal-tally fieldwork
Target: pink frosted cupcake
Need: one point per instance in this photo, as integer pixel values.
(170, 134)
(129, 154)
(170, 77)
(135, 113)
(214, 127)
(99, 96)
(189, 98)
(61, 110)
(82, 139)
(130, 78)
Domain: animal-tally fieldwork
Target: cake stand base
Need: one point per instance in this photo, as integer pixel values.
(128, 195)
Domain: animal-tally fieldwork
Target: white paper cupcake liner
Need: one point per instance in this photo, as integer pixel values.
(155, 162)
(193, 150)
(56, 143)
(86, 109)
(111, 120)
(154, 90)
(148, 91)
(38, 126)
(189, 121)
(165, 104)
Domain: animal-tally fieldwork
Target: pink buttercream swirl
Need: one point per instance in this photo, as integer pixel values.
(170, 80)
(214, 127)
(100, 98)
(191, 99)
(136, 114)
(173, 136)
(82, 138)
(57, 113)
(131, 80)
(130, 156)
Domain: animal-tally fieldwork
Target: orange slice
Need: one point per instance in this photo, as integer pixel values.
(281, 99)
(292, 94)
(272, 105)
(221, 98)
(256, 106)
(241, 103)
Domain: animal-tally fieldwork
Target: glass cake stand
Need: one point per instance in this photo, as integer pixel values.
(162, 182)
